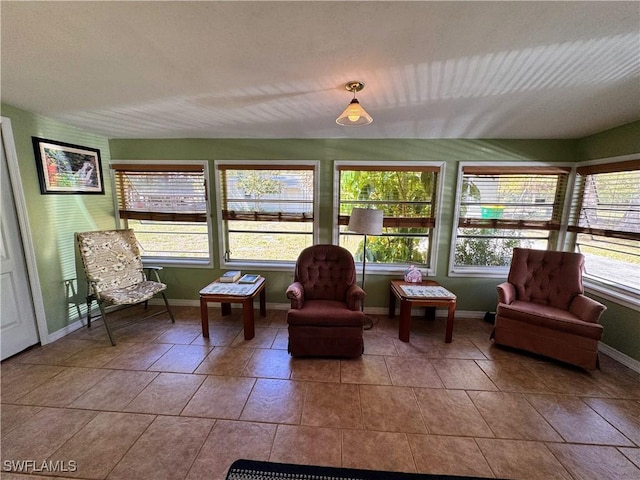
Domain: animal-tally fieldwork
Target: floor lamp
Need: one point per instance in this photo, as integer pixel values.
(366, 221)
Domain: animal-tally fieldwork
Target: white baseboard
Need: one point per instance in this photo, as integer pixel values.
(72, 327)
(620, 357)
(625, 360)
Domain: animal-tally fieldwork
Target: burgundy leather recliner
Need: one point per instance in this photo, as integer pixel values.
(326, 318)
(542, 309)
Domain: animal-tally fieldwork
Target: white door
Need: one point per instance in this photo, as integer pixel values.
(18, 328)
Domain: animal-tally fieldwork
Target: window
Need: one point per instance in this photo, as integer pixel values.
(166, 205)
(607, 222)
(408, 193)
(267, 210)
(502, 207)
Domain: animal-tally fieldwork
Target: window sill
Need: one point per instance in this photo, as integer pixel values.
(609, 292)
(165, 262)
(496, 272)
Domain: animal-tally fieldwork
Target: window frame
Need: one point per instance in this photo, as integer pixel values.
(267, 265)
(502, 271)
(599, 286)
(165, 261)
(393, 268)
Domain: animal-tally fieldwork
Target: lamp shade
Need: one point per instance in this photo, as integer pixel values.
(354, 115)
(367, 221)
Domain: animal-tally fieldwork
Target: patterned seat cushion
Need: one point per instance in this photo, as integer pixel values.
(132, 294)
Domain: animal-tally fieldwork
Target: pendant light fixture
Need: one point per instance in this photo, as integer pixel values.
(354, 115)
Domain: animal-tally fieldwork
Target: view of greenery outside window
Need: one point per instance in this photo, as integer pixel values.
(502, 207)
(267, 210)
(407, 194)
(607, 226)
(166, 206)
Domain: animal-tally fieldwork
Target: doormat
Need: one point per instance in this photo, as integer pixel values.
(256, 470)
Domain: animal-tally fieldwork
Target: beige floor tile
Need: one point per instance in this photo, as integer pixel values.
(143, 331)
(95, 356)
(513, 377)
(264, 338)
(180, 334)
(575, 421)
(110, 436)
(412, 372)
(139, 356)
(64, 388)
(622, 414)
(368, 369)
(219, 335)
(225, 361)
(336, 406)
(632, 454)
(275, 401)
(307, 446)
(448, 456)
(460, 348)
(462, 374)
(617, 380)
(56, 352)
(41, 435)
(114, 391)
(167, 394)
(165, 451)
(181, 359)
(417, 346)
(451, 412)
(391, 409)
(376, 343)
(509, 415)
(316, 369)
(281, 341)
(591, 462)
(12, 416)
(570, 380)
(368, 450)
(521, 460)
(269, 364)
(220, 397)
(21, 379)
(228, 441)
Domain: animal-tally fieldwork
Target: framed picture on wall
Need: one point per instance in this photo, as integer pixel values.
(66, 168)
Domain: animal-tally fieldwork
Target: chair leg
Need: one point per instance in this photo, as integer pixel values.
(89, 302)
(106, 323)
(164, 297)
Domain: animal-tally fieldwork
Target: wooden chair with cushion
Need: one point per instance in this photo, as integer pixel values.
(326, 318)
(114, 270)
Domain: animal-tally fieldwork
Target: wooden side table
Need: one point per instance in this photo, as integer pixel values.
(408, 301)
(209, 294)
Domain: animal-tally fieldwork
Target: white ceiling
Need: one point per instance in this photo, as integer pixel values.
(277, 69)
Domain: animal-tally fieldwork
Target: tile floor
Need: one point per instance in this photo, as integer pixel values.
(167, 404)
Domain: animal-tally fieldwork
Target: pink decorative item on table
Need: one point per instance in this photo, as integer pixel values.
(412, 275)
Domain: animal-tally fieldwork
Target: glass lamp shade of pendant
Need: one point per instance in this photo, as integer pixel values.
(354, 115)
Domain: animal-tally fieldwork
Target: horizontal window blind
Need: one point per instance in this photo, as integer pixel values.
(406, 194)
(609, 199)
(162, 192)
(515, 198)
(273, 193)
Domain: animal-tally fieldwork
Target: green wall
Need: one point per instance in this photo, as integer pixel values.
(54, 218)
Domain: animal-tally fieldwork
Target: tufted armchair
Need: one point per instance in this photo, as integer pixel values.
(326, 315)
(542, 309)
(114, 269)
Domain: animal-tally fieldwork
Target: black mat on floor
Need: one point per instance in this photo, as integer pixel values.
(255, 470)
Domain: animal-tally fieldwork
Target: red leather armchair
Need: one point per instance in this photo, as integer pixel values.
(542, 309)
(326, 315)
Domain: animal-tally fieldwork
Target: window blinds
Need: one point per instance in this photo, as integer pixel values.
(267, 193)
(171, 193)
(516, 198)
(609, 199)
